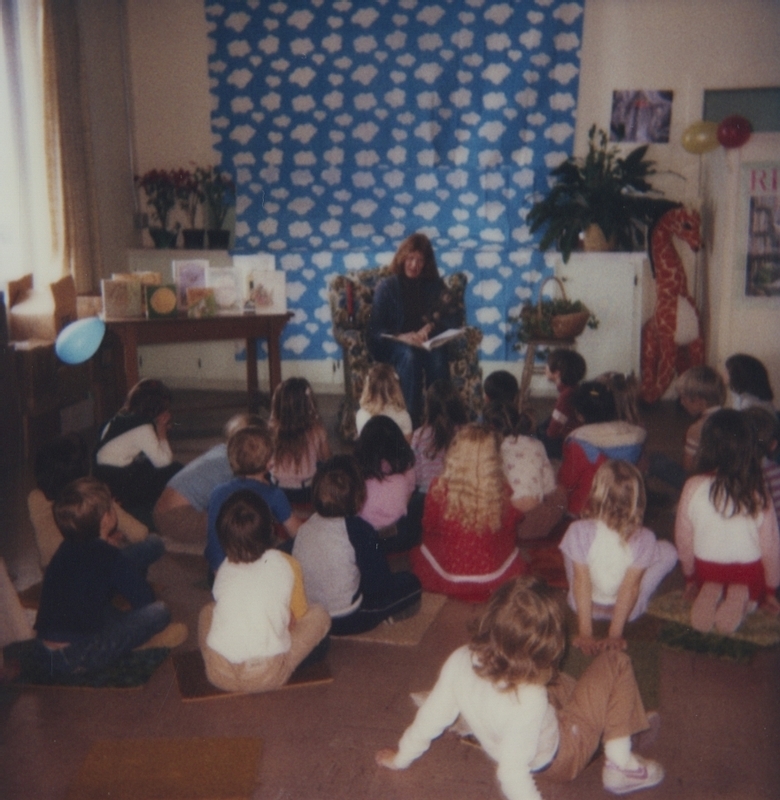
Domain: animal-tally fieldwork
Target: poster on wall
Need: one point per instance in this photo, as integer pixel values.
(641, 116)
(761, 185)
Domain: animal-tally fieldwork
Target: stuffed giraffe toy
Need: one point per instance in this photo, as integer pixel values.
(671, 338)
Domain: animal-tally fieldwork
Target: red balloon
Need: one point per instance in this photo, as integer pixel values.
(734, 131)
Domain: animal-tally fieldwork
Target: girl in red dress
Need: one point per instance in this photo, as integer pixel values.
(469, 543)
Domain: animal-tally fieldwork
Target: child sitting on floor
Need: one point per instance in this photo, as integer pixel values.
(79, 629)
(749, 383)
(343, 567)
(527, 717)
(501, 386)
(300, 439)
(600, 436)
(528, 470)
(134, 455)
(249, 451)
(726, 529)
(445, 412)
(613, 564)
(469, 545)
(58, 463)
(382, 395)
(565, 368)
(702, 392)
(181, 512)
(387, 463)
(261, 626)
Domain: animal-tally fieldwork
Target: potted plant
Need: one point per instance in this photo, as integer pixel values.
(160, 190)
(602, 190)
(220, 195)
(189, 193)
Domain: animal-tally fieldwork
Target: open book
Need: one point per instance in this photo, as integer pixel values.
(434, 341)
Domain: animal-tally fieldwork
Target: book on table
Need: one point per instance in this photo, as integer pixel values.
(434, 342)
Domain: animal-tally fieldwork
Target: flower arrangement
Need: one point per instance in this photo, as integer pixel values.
(189, 192)
(219, 192)
(160, 189)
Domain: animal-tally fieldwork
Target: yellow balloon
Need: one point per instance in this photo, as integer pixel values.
(700, 137)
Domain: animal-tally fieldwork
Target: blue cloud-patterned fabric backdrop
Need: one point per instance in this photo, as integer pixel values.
(350, 125)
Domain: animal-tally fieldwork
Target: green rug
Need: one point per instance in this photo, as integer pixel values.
(757, 631)
(130, 671)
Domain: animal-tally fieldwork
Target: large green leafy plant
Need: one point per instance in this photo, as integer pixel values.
(602, 189)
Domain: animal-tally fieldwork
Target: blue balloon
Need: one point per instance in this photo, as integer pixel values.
(80, 340)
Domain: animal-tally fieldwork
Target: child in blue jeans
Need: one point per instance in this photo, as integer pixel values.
(79, 629)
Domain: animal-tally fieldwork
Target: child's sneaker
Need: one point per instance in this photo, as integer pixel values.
(171, 636)
(622, 781)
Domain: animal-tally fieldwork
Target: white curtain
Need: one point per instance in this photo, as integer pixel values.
(31, 226)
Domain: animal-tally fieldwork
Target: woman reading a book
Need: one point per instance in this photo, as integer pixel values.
(411, 307)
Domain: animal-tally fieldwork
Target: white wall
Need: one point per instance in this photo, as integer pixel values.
(683, 45)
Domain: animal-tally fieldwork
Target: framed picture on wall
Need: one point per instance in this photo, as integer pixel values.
(761, 193)
(641, 116)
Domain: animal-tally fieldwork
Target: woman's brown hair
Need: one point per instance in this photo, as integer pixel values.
(416, 243)
(521, 637)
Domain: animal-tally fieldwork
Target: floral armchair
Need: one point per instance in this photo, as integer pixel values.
(351, 297)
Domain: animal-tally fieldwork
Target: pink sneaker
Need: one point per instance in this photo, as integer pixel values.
(622, 781)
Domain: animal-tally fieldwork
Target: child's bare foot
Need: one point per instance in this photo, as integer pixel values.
(705, 607)
(386, 758)
(731, 612)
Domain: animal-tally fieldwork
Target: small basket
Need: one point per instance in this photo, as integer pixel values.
(563, 327)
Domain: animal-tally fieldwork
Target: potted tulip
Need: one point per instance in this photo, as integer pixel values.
(189, 193)
(160, 190)
(600, 202)
(220, 196)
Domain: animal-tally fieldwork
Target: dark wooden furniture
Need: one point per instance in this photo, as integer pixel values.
(127, 334)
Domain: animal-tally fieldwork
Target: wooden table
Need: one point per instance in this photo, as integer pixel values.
(127, 334)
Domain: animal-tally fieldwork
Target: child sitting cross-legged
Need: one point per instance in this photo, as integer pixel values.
(79, 629)
(261, 626)
(529, 718)
(343, 566)
(613, 564)
(249, 451)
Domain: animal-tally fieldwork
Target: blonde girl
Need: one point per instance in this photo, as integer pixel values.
(382, 395)
(468, 533)
(613, 563)
(300, 439)
(506, 688)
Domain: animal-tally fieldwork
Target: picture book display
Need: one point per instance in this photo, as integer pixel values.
(189, 274)
(161, 301)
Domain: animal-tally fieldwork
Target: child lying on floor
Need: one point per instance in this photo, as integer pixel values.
(526, 716)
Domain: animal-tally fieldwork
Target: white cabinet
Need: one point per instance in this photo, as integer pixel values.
(618, 288)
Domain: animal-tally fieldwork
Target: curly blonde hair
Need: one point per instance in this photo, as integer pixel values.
(472, 486)
(382, 389)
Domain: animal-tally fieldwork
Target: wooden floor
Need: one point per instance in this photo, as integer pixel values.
(720, 736)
